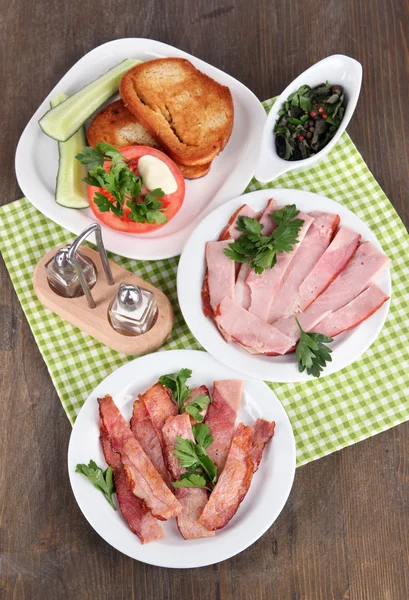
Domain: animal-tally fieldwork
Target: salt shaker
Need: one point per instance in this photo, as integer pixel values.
(133, 310)
(63, 277)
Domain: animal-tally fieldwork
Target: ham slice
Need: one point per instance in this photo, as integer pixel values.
(194, 393)
(193, 500)
(331, 263)
(221, 416)
(160, 406)
(313, 246)
(264, 287)
(242, 294)
(353, 313)
(220, 276)
(140, 520)
(233, 484)
(146, 434)
(143, 478)
(249, 330)
(230, 230)
(363, 268)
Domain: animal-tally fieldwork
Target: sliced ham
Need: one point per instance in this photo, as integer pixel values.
(331, 263)
(146, 434)
(363, 268)
(353, 313)
(160, 406)
(230, 230)
(143, 478)
(232, 484)
(140, 520)
(194, 393)
(313, 246)
(221, 416)
(193, 500)
(261, 434)
(265, 220)
(264, 287)
(242, 294)
(249, 330)
(220, 275)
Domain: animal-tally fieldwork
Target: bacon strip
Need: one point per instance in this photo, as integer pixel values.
(221, 417)
(363, 268)
(313, 246)
(140, 520)
(243, 460)
(233, 482)
(264, 287)
(251, 332)
(193, 500)
(331, 263)
(230, 230)
(146, 434)
(143, 478)
(160, 406)
(353, 313)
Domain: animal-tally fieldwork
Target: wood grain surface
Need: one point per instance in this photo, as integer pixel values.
(344, 533)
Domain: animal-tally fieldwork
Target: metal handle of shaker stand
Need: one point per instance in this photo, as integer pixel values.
(95, 227)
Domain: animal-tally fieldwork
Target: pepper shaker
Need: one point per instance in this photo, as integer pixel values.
(133, 310)
(63, 277)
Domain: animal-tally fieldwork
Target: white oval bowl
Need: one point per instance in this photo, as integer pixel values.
(337, 69)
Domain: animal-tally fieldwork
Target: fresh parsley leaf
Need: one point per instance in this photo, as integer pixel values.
(194, 458)
(202, 435)
(176, 383)
(196, 407)
(102, 480)
(312, 353)
(185, 452)
(259, 250)
(149, 210)
(191, 480)
(91, 157)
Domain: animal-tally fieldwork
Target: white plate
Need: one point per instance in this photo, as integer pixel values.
(268, 493)
(37, 155)
(346, 347)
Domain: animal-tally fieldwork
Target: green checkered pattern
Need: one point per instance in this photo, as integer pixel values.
(363, 399)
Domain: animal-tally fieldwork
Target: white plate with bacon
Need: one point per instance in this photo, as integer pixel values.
(131, 422)
(333, 278)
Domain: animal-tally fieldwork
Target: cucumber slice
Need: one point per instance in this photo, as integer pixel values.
(62, 121)
(70, 190)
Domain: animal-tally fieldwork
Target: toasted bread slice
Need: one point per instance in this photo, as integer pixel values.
(115, 125)
(190, 114)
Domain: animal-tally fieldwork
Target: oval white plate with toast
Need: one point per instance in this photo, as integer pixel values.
(37, 155)
(263, 503)
(346, 347)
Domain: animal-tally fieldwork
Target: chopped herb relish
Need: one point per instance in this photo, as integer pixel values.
(309, 120)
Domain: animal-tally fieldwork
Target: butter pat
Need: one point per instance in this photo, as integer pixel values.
(156, 174)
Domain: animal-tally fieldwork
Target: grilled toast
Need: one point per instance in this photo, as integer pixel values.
(187, 112)
(115, 125)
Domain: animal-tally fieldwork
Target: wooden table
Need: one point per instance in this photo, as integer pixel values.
(344, 533)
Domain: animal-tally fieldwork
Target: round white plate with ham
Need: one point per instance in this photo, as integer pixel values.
(270, 485)
(335, 280)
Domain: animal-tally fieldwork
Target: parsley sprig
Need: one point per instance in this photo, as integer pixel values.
(102, 480)
(176, 383)
(200, 470)
(312, 353)
(259, 250)
(122, 185)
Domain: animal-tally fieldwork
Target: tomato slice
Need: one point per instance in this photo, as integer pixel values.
(170, 202)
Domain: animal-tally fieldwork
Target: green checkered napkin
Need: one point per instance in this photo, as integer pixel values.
(327, 414)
